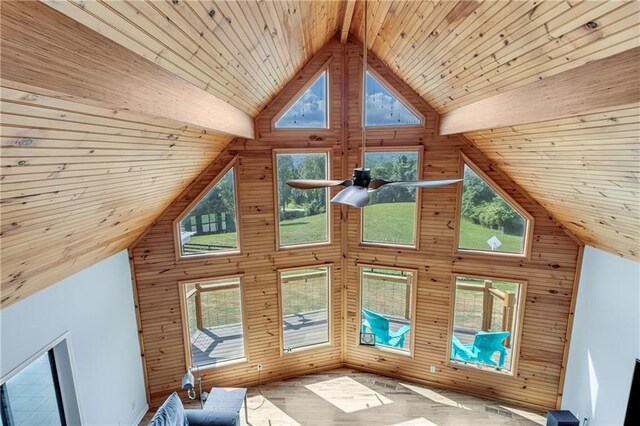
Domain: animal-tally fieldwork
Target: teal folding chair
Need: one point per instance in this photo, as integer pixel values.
(486, 343)
(379, 326)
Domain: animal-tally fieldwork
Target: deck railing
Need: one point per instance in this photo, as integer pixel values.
(489, 294)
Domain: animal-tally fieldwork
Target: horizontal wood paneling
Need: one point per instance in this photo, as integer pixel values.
(453, 53)
(585, 170)
(80, 182)
(244, 54)
(157, 271)
(550, 272)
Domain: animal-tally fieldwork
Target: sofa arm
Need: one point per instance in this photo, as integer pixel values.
(217, 417)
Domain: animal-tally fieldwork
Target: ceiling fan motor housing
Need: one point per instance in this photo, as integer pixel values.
(361, 177)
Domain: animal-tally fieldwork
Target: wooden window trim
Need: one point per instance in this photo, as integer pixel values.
(417, 216)
(233, 164)
(330, 125)
(414, 292)
(519, 320)
(398, 95)
(276, 217)
(529, 219)
(330, 334)
(182, 285)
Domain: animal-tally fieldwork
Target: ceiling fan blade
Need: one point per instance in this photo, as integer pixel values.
(315, 184)
(377, 183)
(356, 196)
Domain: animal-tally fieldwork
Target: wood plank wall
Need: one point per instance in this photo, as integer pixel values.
(550, 272)
(80, 182)
(157, 272)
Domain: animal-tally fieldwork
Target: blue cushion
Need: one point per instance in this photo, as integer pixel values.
(217, 417)
(170, 413)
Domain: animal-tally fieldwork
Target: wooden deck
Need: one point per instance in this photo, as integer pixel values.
(224, 343)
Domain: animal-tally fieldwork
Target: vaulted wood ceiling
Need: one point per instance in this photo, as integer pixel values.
(95, 174)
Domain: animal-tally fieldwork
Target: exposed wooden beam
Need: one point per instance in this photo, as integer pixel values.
(44, 48)
(349, 7)
(598, 85)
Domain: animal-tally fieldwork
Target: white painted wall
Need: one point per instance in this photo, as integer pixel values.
(96, 307)
(605, 340)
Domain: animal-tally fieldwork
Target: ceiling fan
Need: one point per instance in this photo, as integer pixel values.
(359, 186)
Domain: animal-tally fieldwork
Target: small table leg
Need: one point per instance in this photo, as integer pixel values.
(246, 410)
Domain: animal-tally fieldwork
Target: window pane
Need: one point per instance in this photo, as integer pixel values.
(32, 397)
(309, 111)
(384, 108)
(484, 322)
(387, 306)
(302, 213)
(214, 321)
(305, 307)
(390, 203)
(488, 222)
(210, 227)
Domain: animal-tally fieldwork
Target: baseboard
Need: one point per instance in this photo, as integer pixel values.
(143, 413)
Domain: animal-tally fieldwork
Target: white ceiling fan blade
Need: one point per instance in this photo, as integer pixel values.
(377, 183)
(355, 196)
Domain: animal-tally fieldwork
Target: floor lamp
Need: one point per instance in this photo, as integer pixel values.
(187, 384)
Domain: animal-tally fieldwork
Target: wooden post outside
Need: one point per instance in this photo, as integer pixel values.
(407, 297)
(198, 307)
(487, 306)
(507, 315)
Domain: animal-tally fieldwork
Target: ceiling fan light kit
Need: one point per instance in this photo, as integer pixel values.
(356, 193)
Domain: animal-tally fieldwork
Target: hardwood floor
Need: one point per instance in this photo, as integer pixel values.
(349, 397)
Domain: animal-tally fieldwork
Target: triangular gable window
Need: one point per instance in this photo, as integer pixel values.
(384, 108)
(490, 220)
(309, 110)
(209, 224)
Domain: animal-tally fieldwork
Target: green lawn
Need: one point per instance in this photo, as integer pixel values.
(387, 223)
(304, 230)
(390, 223)
(475, 237)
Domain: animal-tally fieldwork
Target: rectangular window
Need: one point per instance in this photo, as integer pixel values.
(485, 322)
(390, 216)
(32, 396)
(386, 301)
(214, 324)
(302, 214)
(304, 298)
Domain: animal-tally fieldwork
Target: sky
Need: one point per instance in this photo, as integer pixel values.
(309, 111)
(383, 108)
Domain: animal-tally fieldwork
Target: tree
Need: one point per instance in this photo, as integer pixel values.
(313, 167)
(286, 171)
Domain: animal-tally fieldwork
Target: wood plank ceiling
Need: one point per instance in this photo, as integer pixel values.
(241, 52)
(81, 180)
(451, 53)
(584, 170)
